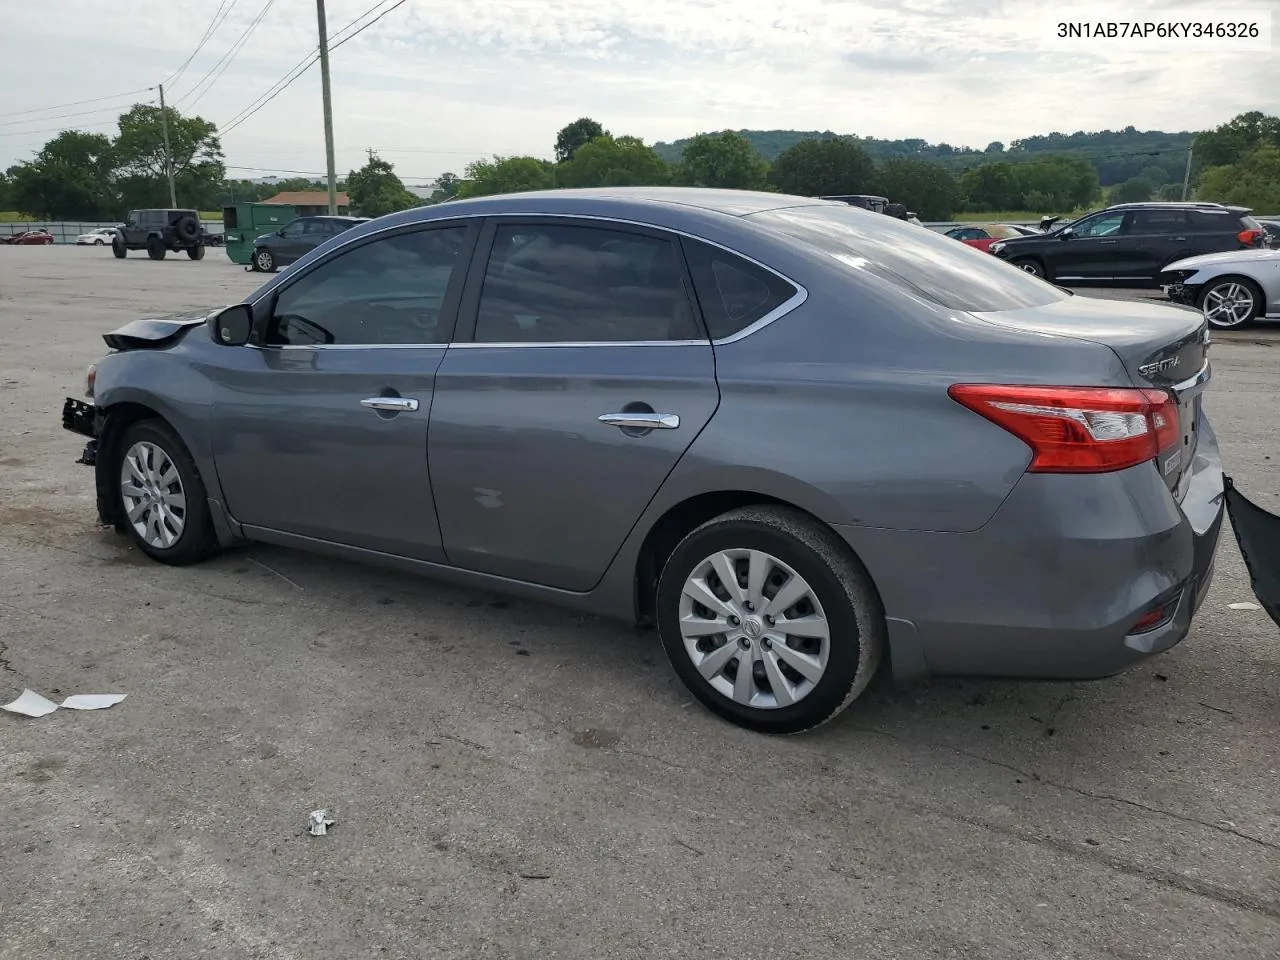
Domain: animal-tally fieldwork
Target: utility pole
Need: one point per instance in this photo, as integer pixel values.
(1186, 178)
(168, 155)
(328, 109)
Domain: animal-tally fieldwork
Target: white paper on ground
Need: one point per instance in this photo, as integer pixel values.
(30, 704)
(93, 701)
(318, 823)
(1244, 606)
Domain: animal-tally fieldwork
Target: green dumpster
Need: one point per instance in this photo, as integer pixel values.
(245, 222)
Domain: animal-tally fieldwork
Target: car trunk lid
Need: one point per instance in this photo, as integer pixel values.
(1161, 346)
(154, 332)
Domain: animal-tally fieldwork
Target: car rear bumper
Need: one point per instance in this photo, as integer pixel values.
(1055, 584)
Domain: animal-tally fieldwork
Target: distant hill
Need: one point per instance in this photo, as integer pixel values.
(1117, 154)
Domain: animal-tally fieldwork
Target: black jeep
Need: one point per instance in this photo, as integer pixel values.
(159, 232)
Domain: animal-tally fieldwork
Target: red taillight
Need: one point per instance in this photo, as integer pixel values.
(1079, 429)
(1249, 237)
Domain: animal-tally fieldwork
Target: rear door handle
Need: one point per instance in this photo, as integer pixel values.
(392, 404)
(1110, 241)
(643, 421)
(1179, 239)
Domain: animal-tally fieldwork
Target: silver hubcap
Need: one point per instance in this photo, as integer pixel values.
(1228, 305)
(1031, 268)
(154, 500)
(264, 261)
(754, 629)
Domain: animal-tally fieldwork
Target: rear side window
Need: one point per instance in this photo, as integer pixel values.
(952, 274)
(1159, 221)
(1205, 222)
(734, 293)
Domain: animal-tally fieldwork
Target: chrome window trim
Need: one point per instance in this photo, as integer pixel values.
(348, 346)
(777, 313)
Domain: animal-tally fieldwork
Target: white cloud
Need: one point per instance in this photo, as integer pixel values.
(438, 83)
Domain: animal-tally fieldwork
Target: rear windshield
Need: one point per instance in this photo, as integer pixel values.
(952, 274)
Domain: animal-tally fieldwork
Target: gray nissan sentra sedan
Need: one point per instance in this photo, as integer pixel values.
(800, 437)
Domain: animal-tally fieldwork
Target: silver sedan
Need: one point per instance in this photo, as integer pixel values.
(1232, 289)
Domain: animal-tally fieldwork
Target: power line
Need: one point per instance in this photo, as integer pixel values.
(214, 24)
(303, 65)
(227, 59)
(60, 116)
(75, 103)
(78, 127)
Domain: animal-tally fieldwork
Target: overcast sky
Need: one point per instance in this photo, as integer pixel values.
(438, 83)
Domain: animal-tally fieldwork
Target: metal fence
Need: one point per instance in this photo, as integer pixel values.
(66, 231)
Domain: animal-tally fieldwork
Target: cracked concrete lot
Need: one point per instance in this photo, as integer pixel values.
(509, 780)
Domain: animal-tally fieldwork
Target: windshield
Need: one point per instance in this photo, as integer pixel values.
(952, 274)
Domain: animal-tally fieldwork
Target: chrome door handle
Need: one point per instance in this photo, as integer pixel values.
(1110, 241)
(642, 421)
(393, 404)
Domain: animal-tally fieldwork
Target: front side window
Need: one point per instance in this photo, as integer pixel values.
(560, 283)
(387, 291)
(294, 230)
(952, 274)
(1105, 225)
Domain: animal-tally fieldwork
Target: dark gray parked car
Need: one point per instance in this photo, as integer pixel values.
(296, 239)
(796, 435)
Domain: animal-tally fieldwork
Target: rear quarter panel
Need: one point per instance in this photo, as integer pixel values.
(841, 407)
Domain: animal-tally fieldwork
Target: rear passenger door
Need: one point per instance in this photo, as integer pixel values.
(580, 375)
(1157, 237)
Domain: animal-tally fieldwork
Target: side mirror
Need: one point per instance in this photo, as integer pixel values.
(231, 327)
(1066, 233)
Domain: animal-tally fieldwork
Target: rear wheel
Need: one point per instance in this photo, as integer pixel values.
(1230, 303)
(769, 620)
(162, 496)
(155, 248)
(1033, 267)
(196, 252)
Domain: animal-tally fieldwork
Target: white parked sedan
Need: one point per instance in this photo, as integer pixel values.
(1232, 289)
(97, 238)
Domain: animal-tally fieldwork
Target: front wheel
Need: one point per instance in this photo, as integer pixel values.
(1230, 303)
(98, 242)
(263, 260)
(769, 620)
(1033, 267)
(119, 249)
(162, 496)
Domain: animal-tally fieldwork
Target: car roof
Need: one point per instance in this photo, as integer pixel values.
(733, 202)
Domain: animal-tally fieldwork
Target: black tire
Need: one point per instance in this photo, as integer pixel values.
(843, 587)
(1253, 290)
(196, 252)
(119, 249)
(155, 248)
(264, 260)
(197, 540)
(186, 229)
(1033, 267)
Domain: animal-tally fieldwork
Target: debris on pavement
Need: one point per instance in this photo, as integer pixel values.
(319, 823)
(1244, 606)
(31, 704)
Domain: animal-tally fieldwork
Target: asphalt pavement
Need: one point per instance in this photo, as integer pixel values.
(510, 780)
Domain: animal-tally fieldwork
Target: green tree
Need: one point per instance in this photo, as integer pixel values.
(447, 187)
(1170, 192)
(198, 168)
(991, 186)
(925, 187)
(1057, 184)
(1229, 143)
(609, 162)
(507, 175)
(815, 168)
(1133, 190)
(1253, 182)
(375, 190)
(71, 178)
(726, 159)
(6, 192)
(577, 134)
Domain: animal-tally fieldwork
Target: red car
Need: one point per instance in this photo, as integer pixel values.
(29, 237)
(983, 235)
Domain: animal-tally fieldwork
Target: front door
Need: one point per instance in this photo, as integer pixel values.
(586, 378)
(321, 431)
(1094, 250)
(292, 243)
